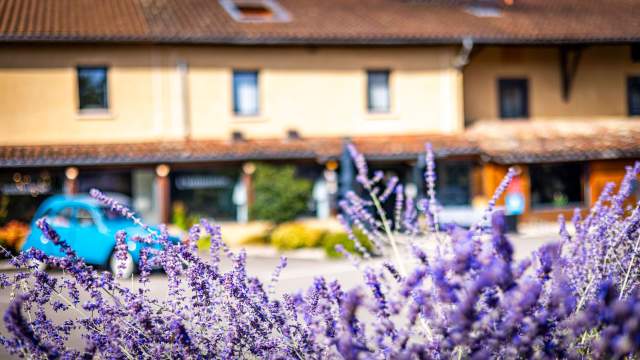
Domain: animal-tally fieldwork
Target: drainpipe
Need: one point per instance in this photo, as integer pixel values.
(463, 56)
(459, 62)
(183, 71)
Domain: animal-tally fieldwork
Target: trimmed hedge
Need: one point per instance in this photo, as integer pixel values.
(291, 236)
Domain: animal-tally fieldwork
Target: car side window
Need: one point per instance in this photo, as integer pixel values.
(84, 217)
(62, 217)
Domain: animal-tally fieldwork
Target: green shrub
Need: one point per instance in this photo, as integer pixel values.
(279, 196)
(179, 216)
(331, 239)
(295, 236)
(204, 243)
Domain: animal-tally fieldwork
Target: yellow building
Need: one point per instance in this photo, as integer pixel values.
(167, 100)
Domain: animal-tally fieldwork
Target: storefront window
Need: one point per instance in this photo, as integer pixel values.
(22, 191)
(454, 183)
(205, 193)
(109, 181)
(556, 185)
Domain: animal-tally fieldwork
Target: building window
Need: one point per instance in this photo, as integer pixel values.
(635, 52)
(633, 95)
(92, 88)
(245, 93)
(556, 185)
(514, 98)
(378, 97)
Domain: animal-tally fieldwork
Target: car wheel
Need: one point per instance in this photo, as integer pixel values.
(122, 271)
(38, 265)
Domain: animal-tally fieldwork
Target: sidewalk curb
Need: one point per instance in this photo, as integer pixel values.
(5, 265)
(270, 252)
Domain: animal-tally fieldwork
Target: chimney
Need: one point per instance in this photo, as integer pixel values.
(237, 136)
(293, 134)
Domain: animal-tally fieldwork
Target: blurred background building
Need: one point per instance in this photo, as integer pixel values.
(174, 101)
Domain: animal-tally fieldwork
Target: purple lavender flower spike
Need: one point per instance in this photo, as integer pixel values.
(398, 208)
(494, 199)
(121, 251)
(501, 244)
(144, 266)
(388, 190)
(17, 325)
(377, 176)
(275, 276)
(356, 242)
(393, 271)
(376, 288)
(430, 179)
(361, 166)
(119, 208)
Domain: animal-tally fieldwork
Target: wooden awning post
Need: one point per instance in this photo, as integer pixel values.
(71, 180)
(164, 192)
(247, 172)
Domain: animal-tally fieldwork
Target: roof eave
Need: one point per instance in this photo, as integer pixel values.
(328, 41)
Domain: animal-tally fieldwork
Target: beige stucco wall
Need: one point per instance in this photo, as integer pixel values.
(598, 91)
(316, 91)
(322, 92)
(38, 95)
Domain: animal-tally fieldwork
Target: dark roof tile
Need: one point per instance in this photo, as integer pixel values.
(512, 142)
(314, 21)
(384, 148)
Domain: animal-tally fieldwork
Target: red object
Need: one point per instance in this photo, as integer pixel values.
(515, 186)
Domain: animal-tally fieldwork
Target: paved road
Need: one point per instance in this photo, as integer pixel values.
(299, 273)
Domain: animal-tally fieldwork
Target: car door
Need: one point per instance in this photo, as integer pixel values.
(92, 240)
(62, 221)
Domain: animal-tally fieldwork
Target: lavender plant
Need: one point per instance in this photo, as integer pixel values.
(438, 292)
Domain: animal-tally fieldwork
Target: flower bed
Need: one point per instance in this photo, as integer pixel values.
(573, 298)
(13, 234)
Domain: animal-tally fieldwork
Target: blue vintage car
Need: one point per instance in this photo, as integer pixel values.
(89, 228)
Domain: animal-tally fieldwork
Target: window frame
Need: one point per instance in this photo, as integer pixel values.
(370, 108)
(502, 82)
(631, 79)
(235, 108)
(106, 107)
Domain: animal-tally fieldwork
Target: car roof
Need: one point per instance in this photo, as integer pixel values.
(56, 201)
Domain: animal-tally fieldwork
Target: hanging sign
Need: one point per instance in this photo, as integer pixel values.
(514, 199)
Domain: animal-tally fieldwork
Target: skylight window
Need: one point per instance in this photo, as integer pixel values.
(255, 11)
(487, 8)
